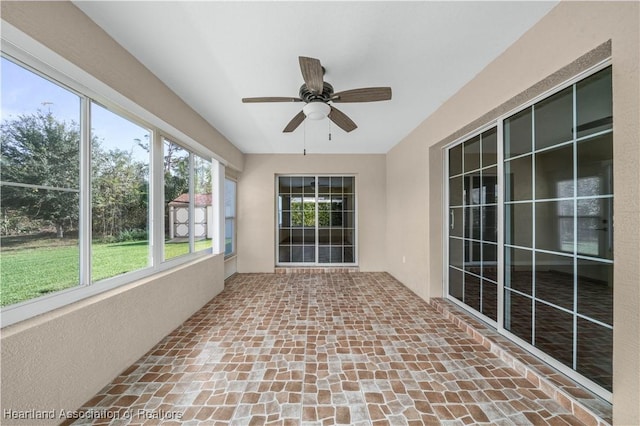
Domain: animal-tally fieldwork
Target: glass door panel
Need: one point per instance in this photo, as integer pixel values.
(517, 134)
(594, 104)
(558, 254)
(553, 119)
(473, 222)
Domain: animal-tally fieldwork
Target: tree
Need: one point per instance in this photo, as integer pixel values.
(303, 213)
(43, 153)
(176, 171)
(202, 176)
(119, 192)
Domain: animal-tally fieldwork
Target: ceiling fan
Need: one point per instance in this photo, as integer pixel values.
(319, 97)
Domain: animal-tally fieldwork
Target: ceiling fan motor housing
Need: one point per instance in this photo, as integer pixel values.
(309, 96)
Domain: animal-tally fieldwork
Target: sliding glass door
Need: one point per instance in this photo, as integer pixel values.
(552, 181)
(316, 220)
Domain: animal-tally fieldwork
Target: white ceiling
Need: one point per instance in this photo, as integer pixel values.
(212, 54)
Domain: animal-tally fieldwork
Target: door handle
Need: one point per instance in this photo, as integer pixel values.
(453, 219)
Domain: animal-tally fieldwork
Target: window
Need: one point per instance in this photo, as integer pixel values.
(177, 186)
(230, 188)
(202, 203)
(119, 194)
(316, 220)
(188, 201)
(556, 200)
(78, 182)
(40, 177)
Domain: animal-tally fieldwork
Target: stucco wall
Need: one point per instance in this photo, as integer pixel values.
(414, 166)
(256, 205)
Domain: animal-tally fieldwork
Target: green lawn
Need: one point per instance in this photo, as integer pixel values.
(33, 269)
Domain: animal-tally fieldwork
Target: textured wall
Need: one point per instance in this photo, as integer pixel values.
(414, 166)
(256, 200)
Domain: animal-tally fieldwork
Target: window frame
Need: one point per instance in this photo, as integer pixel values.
(87, 181)
(316, 227)
(233, 218)
(22, 50)
(192, 176)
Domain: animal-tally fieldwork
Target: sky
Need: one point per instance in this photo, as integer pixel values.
(23, 92)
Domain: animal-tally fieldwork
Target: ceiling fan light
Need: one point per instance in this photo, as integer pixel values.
(316, 110)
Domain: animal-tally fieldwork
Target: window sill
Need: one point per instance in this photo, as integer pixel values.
(23, 311)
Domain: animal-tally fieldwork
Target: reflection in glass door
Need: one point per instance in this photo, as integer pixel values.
(473, 247)
(558, 217)
(316, 220)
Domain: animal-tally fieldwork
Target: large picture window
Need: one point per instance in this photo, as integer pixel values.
(316, 220)
(119, 194)
(40, 177)
(80, 180)
(555, 192)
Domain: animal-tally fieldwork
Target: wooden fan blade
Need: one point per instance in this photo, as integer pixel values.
(271, 99)
(366, 94)
(341, 120)
(295, 122)
(312, 73)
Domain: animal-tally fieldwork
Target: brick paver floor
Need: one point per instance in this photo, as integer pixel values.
(321, 349)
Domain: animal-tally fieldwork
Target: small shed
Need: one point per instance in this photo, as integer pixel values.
(179, 216)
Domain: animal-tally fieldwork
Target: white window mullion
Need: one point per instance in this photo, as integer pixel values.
(500, 225)
(217, 196)
(534, 243)
(156, 200)
(448, 212)
(84, 221)
(575, 228)
(316, 231)
(356, 210)
(192, 203)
